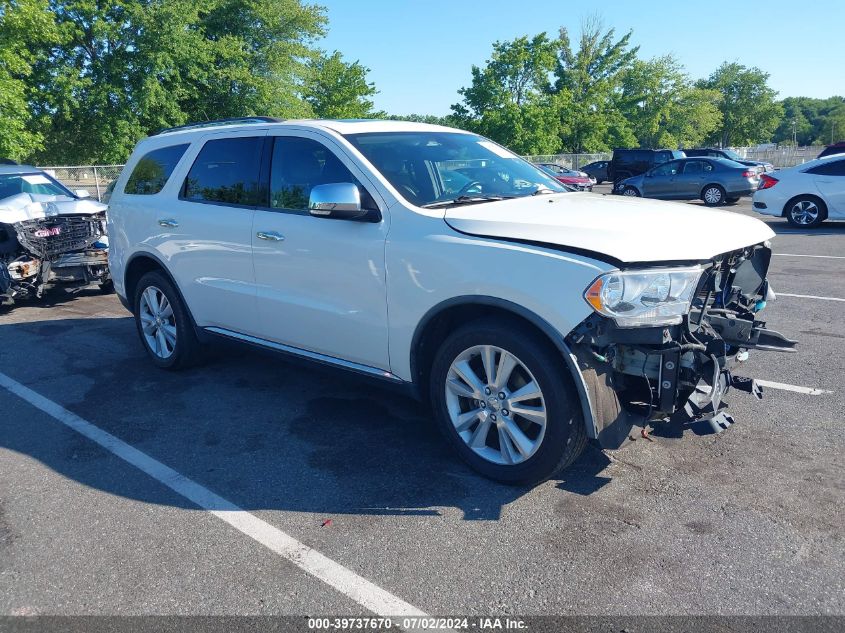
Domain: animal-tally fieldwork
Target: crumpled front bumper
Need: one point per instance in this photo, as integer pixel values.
(678, 372)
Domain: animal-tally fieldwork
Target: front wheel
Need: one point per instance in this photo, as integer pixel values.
(630, 191)
(506, 403)
(163, 323)
(713, 195)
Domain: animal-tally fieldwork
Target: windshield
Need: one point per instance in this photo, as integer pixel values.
(37, 183)
(430, 168)
(732, 155)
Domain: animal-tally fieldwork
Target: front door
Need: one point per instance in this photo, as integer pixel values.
(660, 181)
(320, 282)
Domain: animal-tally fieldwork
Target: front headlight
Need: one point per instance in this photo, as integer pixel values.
(641, 298)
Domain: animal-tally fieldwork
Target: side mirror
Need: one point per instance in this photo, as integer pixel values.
(81, 193)
(339, 200)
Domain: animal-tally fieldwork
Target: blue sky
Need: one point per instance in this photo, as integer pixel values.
(420, 52)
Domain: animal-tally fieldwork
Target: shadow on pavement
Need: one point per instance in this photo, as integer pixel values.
(260, 430)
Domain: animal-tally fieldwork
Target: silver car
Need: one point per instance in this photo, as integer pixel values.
(714, 180)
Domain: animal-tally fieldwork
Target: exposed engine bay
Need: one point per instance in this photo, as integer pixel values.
(47, 240)
(684, 371)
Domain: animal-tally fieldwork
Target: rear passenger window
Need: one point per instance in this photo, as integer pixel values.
(152, 171)
(226, 171)
(833, 168)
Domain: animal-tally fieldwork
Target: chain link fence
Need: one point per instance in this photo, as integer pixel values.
(95, 179)
(570, 161)
(780, 157)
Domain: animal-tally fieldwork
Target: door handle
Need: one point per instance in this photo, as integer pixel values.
(168, 224)
(270, 236)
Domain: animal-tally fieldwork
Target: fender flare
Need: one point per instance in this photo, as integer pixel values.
(587, 406)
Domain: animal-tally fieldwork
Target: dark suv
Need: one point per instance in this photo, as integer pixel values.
(712, 152)
(836, 148)
(633, 162)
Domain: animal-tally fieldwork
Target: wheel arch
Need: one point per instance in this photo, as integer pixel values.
(139, 265)
(793, 199)
(441, 319)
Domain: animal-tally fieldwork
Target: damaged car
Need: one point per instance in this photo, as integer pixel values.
(49, 235)
(532, 319)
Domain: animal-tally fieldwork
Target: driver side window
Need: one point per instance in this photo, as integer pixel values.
(669, 169)
(298, 165)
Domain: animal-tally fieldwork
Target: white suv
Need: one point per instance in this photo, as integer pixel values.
(532, 318)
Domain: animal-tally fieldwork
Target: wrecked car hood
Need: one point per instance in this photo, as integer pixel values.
(30, 206)
(625, 229)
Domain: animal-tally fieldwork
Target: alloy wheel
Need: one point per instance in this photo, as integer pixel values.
(158, 323)
(495, 404)
(630, 191)
(712, 195)
(804, 212)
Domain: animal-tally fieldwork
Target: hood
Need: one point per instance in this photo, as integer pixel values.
(625, 229)
(30, 206)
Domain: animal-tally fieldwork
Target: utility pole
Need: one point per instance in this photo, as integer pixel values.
(794, 135)
(832, 128)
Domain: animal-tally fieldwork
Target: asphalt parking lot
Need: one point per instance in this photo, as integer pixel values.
(749, 521)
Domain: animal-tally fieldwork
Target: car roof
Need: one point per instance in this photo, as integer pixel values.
(17, 169)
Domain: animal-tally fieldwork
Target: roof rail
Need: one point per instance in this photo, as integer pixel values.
(231, 121)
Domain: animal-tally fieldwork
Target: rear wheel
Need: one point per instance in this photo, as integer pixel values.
(805, 212)
(163, 323)
(713, 195)
(505, 403)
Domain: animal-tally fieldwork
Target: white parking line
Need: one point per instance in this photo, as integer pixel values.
(347, 582)
(810, 391)
(814, 256)
(786, 294)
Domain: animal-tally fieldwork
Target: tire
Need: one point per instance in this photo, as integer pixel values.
(805, 212)
(181, 347)
(547, 447)
(107, 287)
(630, 191)
(713, 195)
(731, 200)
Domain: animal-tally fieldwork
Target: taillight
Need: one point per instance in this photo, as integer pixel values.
(767, 182)
(749, 173)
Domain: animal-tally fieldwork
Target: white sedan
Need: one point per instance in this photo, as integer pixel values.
(806, 195)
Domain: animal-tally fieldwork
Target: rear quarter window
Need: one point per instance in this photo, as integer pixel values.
(153, 170)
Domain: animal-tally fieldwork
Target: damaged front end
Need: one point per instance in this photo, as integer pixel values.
(48, 242)
(682, 368)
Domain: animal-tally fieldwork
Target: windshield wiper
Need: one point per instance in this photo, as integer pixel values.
(464, 200)
(542, 191)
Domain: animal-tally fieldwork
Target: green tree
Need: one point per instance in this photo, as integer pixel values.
(813, 121)
(510, 99)
(339, 90)
(662, 106)
(592, 74)
(126, 68)
(750, 113)
(26, 28)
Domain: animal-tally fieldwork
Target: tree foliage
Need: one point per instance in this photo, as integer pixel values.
(591, 74)
(339, 90)
(662, 106)
(816, 121)
(511, 100)
(750, 113)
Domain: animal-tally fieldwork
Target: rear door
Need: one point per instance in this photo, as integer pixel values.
(829, 179)
(206, 234)
(691, 180)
